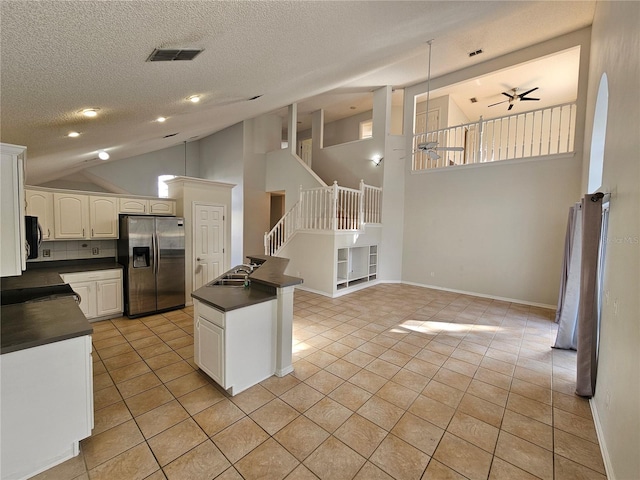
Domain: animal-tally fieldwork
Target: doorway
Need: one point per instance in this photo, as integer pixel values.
(276, 211)
(305, 148)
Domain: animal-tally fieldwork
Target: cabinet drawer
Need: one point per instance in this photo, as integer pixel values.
(89, 276)
(214, 316)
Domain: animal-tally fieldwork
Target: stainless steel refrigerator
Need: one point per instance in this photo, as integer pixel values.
(151, 249)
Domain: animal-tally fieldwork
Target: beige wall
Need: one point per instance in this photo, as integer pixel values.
(221, 159)
(614, 51)
(496, 229)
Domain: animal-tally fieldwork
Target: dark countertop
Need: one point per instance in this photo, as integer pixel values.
(271, 271)
(27, 325)
(39, 274)
(264, 282)
(227, 298)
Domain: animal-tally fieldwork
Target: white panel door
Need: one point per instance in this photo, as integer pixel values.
(208, 239)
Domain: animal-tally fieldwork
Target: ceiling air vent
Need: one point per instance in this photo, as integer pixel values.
(170, 135)
(475, 52)
(473, 100)
(169, 55)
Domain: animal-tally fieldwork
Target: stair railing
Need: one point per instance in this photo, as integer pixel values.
(331, 208)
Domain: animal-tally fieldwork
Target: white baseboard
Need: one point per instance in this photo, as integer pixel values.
(608, 466)
(364, 285)
(484, 295)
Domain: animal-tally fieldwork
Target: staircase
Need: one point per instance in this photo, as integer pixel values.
(327, 209)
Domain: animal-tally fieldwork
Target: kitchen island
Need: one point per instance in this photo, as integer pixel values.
(46, 375)
(243, 333)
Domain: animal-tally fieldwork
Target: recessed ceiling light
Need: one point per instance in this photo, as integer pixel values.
(90, 112)
(73, 134)
(102, 155)
(161, 119)
(194, 98)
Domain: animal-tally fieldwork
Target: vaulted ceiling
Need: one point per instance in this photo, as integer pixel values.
(58, 58)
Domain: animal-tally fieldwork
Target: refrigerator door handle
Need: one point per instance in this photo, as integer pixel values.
(157, 251)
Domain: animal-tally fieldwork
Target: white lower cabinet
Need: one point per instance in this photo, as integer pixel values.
(47, 405)
(100, 292)
(237, 349)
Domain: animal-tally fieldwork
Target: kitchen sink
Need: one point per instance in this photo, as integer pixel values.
(227, 282)
(233, 276)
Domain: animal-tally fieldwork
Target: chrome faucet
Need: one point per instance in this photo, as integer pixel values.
(244, 268)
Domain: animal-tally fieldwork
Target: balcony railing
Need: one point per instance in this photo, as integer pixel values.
(546, 131)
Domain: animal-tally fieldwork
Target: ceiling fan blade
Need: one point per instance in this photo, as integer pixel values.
(433, 155)
(527, 92)
(529, 99)
(510, 107)
(450, 149)
(427, 145)
(494, 104)
(508, 95)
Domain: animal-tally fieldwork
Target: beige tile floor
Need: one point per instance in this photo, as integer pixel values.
(391, 382)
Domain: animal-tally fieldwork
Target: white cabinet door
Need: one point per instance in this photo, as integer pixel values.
(133, 205)
(86, 290)
(162, 207)
(210, 349)
(12, 232)
(71, 216)
(100, 292)
(40, 204)
(104, 217)
(109, 297)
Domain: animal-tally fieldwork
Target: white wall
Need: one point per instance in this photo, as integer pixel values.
(221, 159)
(346, 129)
(139, 175)
(348, 163)
(390, 251)
(312, 258)
(261, 135)
(614, 51)
(496, 229)
(286, 173)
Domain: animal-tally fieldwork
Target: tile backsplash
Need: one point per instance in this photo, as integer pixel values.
(76, 249)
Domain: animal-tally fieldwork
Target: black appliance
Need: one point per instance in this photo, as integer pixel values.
(33, 234)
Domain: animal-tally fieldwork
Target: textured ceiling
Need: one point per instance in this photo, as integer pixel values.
(59, 57)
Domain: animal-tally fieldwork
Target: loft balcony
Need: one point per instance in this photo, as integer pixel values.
(537, 133)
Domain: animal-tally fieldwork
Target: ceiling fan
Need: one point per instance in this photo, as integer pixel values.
(429, 148)
(514, 95)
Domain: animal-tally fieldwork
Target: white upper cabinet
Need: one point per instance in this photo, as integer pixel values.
(40, 204)
(71, 216)
(162, 207)
(12, 233)
(103, 213)
(133, 205)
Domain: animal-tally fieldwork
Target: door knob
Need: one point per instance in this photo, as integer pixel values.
(198, 259)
